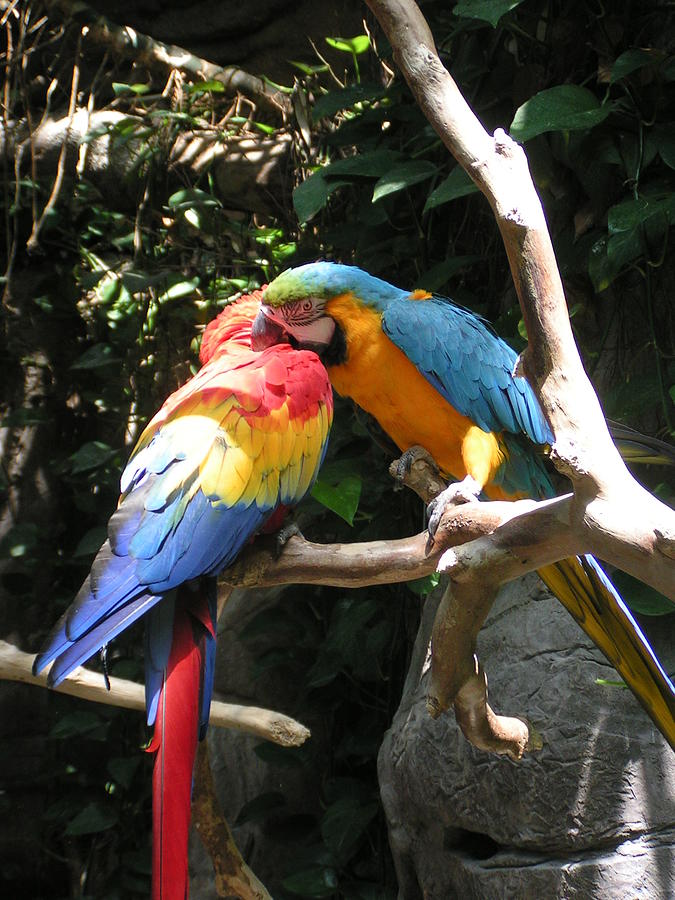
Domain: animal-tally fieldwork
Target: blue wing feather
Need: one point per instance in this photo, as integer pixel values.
(472, 368)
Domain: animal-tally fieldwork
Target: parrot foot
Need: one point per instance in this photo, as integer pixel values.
(408, 458)
(417, 470)
(465, 491)
(288, 530)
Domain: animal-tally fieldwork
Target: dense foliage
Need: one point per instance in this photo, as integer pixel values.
(100, 327)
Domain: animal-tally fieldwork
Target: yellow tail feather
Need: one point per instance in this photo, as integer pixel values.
(592, 604)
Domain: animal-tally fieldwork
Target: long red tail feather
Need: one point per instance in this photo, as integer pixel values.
(175, 743)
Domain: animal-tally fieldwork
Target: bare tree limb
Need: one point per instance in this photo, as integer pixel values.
(340, 565)
(233, 876)
(15, 665)
(609, 513)
(621, 522)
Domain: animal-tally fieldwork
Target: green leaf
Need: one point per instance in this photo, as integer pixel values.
(421, 587)
(486, 10)
(344, 823)
(94, 818)
(188, 198)
(566, 107)
(641, 597)
(91, 541)
(630, 61)
(179, 290)
(630, 214)
(439, 275)
(331, 103)
(100, 356)
(75, 724)
(120, 88)
(315, 882)
(357, 45)
(206, 87)
(457, 184)
(123, 769)
(601, 270)
(342, 499)
(665, 142)
(403, 176)
(90, 456)
(372, 164)
(310, 197)
(261, 807)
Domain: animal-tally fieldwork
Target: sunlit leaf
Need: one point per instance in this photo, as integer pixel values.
(310, 197)
(120, 88)
(457, 184)
(357, 45)
(342, 498)
(206, 87)
(372, 164)
(179, 290)
(565, 107)
(186, 198)
(403, 176)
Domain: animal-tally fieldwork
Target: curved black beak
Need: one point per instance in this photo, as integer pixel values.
(265, 333)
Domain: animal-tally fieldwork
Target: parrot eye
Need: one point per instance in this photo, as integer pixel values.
(299, 312)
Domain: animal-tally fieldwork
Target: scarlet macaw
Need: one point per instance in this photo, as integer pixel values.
(240, 440)
(436, 375)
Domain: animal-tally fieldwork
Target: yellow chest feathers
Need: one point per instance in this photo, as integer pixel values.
(382, 380)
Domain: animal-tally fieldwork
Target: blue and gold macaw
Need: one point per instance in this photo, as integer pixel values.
(436, 375)
(242, 439)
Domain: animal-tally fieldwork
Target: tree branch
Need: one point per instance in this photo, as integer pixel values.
(126, 43)
(15, 665)
(620, 521)
(609, 513)
(233, 876)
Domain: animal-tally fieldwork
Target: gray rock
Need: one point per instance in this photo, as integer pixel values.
(591, 815)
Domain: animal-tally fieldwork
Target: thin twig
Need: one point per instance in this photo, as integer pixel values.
(33, 243)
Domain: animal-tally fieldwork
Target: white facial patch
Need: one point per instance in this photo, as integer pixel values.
(304, 320)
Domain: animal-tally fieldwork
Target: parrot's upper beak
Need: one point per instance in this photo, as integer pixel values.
(266, 332)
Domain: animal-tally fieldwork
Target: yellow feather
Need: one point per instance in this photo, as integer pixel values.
(271, 451)
(308, 469)
(287, 444)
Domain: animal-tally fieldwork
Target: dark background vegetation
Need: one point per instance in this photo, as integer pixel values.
(102, 320)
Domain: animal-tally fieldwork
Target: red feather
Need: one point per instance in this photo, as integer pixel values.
(175, 742)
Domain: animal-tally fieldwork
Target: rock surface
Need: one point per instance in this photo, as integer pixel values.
(591, 815)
